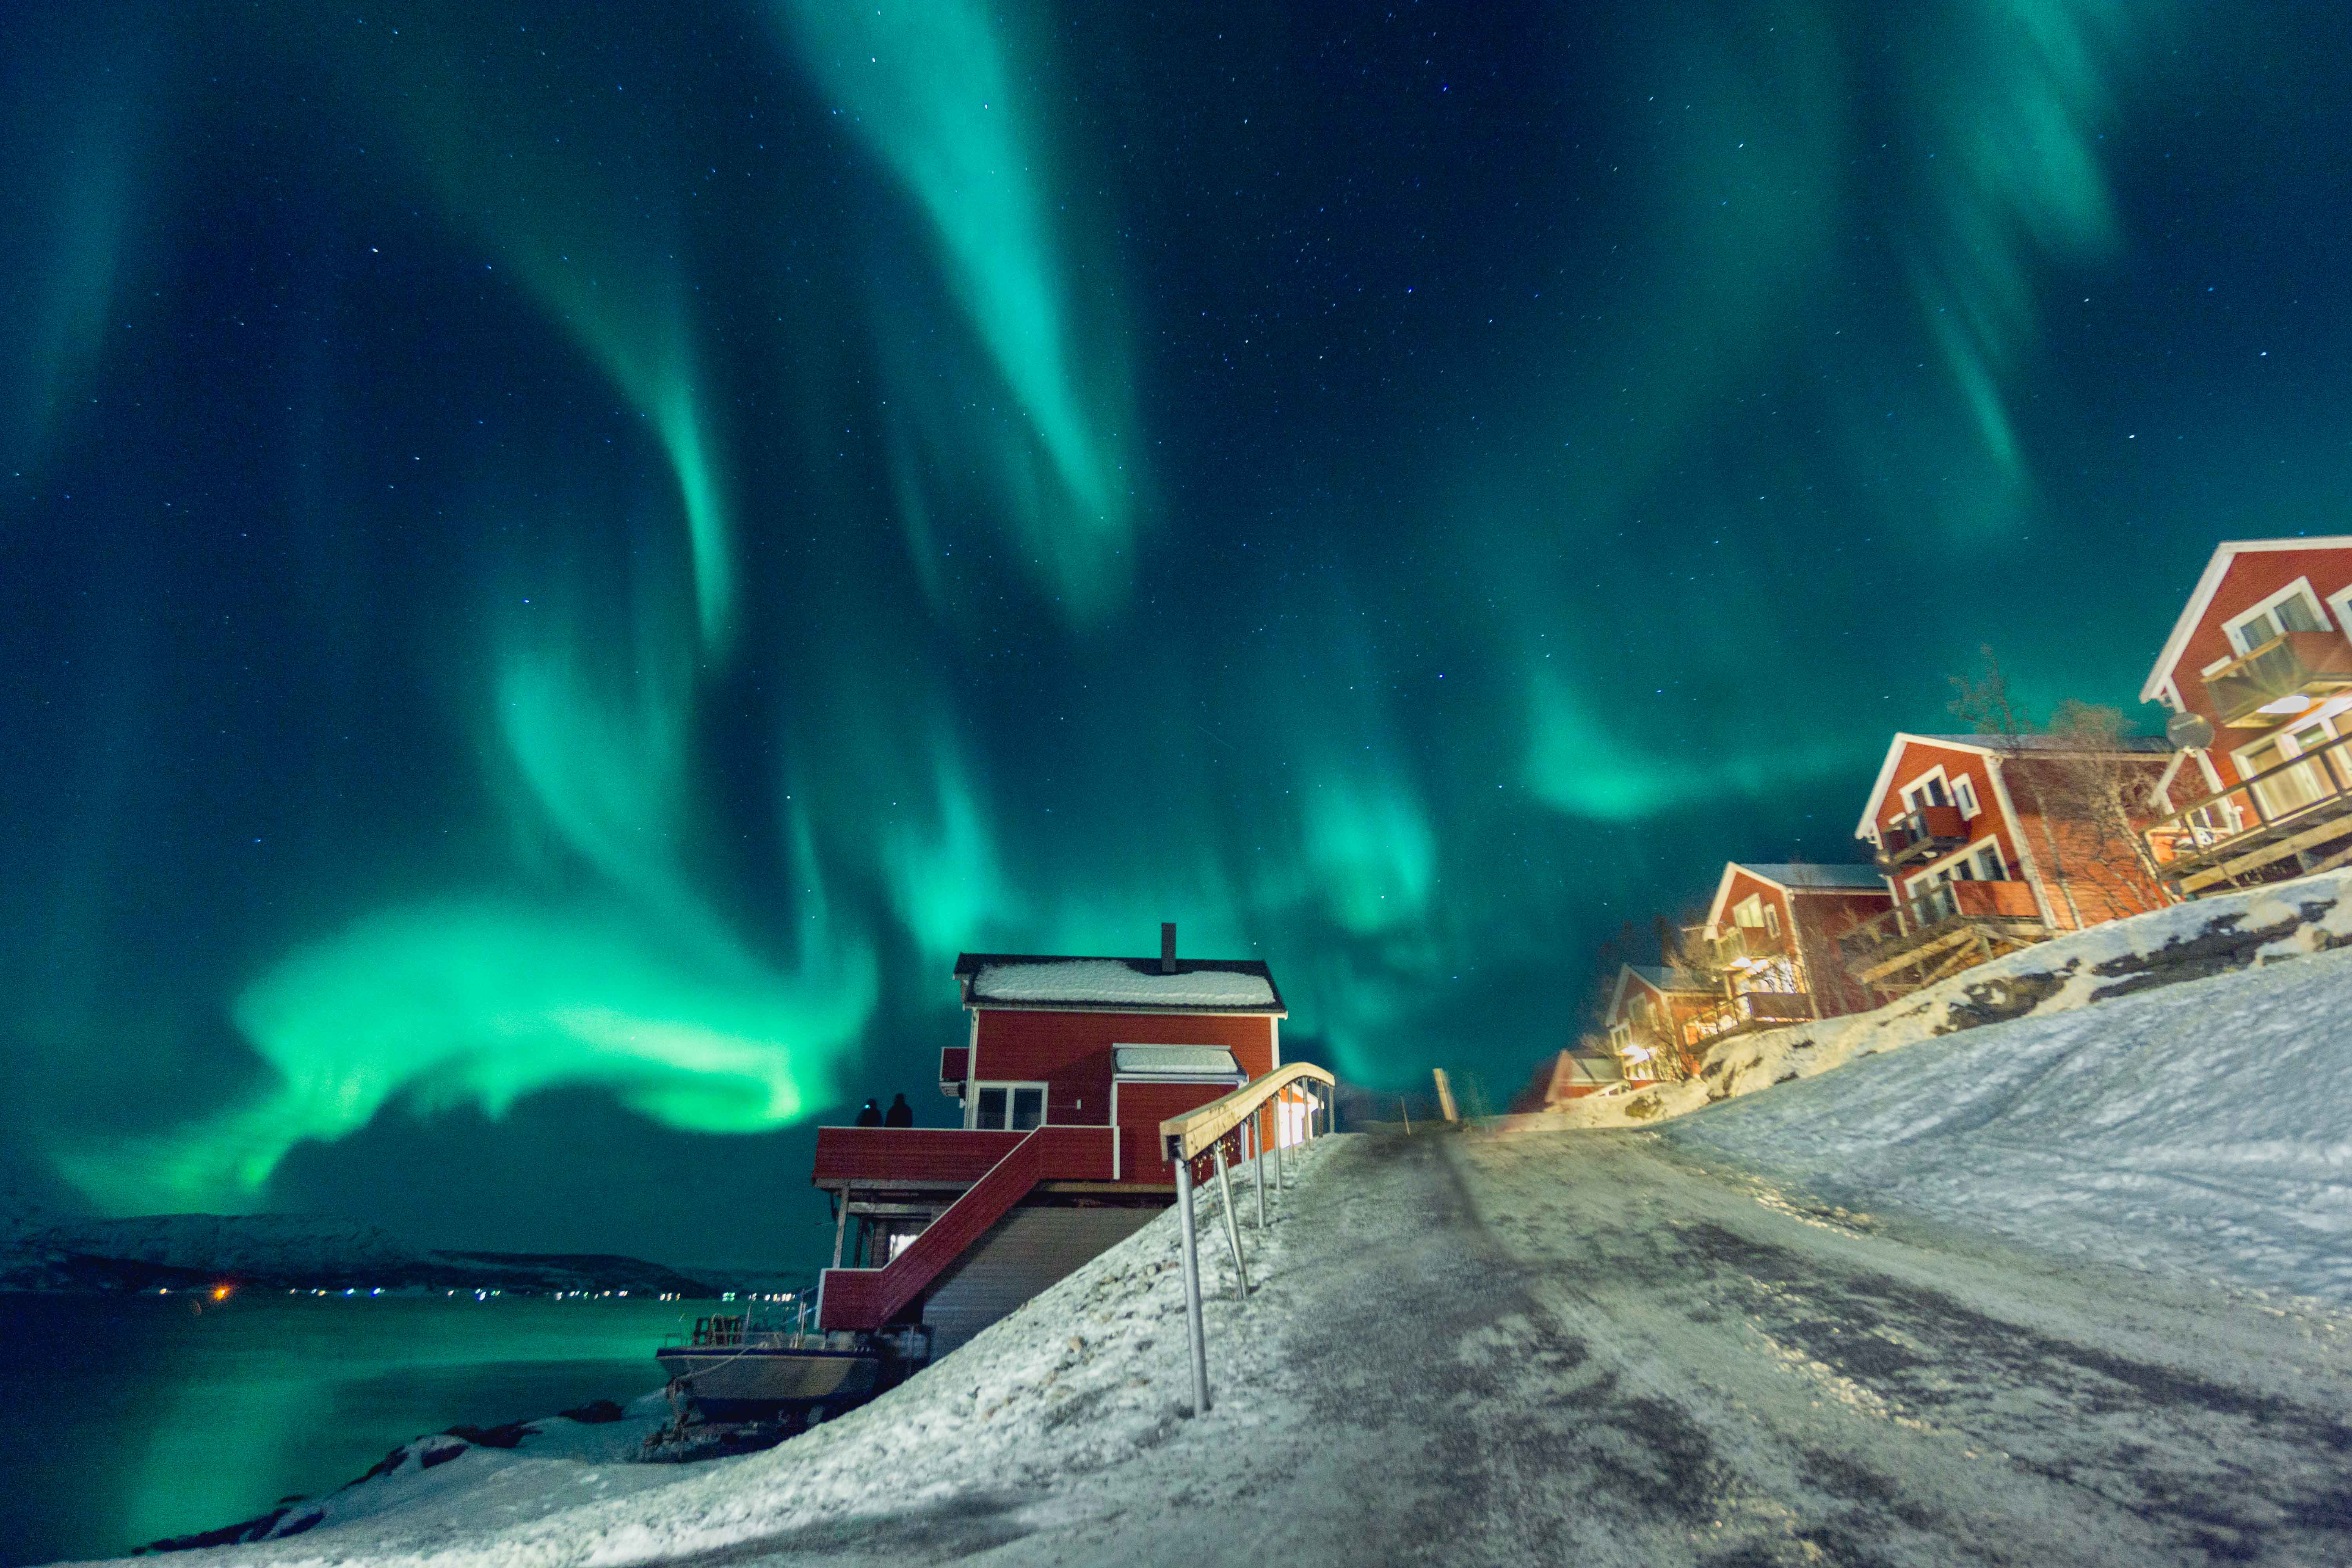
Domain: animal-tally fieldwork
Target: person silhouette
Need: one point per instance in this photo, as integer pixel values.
(869, 1115)
(900, 1113)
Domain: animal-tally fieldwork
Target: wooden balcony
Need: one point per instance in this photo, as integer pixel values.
(1749, 1010)
(951, 1156)
(1923, 834)
(1945, 930)
(2285, 675)
(2286, 821)
(1744, 946)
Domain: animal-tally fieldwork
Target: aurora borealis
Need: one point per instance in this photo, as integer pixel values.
(559, 561)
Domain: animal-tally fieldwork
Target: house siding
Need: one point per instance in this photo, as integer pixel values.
(2253, 576)
(1070, 1052)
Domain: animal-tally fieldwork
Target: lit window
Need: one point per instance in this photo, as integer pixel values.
(1772, 919)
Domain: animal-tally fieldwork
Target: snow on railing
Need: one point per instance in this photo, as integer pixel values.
(1187, 1137)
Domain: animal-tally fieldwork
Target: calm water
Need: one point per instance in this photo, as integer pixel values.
(124, 1420)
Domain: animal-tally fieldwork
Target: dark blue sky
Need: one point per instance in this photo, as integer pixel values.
(557, 562)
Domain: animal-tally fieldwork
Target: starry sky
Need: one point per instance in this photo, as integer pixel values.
(557, 562)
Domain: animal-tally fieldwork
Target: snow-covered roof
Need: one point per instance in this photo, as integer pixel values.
(1793, 876)
(1025, 980)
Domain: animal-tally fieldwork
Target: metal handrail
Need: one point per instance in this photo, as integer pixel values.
(2324, 763)
(1184, 1138)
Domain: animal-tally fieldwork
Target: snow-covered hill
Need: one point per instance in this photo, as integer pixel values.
(2219, 935)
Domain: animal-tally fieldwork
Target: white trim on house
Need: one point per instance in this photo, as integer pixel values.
(1044, 1101)
(2210, 583)
(1964, 795)
(2016, 825)
(2340, 602)
(2234, 628)
(1966, 857)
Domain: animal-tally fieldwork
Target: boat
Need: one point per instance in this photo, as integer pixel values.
(732, 1369)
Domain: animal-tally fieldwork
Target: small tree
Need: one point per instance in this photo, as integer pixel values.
(1985, 705)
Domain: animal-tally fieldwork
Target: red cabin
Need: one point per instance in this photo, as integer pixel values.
(1069, 1069)
(2258, 676)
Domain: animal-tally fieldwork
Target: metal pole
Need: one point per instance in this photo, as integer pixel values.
(1232, 1227)
(1257, 1167)
(1191, 1255)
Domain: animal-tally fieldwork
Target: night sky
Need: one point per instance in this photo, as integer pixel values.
(558, 561)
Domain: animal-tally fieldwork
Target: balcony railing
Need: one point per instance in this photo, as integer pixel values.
(1938, 918)
(1922, 835)
(2286, 674)
(1749, 1010)
(2249, 829)
(1743, 946)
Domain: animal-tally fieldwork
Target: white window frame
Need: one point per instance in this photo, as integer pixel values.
(1044, 1101)
(1914, 886)
(2340, 602)
(2234, 628)
(1772, 921)
(1920, 782)
(1753, 901)
(1964, 795)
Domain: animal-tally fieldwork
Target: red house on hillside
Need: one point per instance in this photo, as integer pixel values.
(1650, 1007)
(1989, 844)
(1772, 935)
(2258, 676)
(1069, 1067)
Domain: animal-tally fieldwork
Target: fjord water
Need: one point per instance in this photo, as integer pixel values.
(126, 1419)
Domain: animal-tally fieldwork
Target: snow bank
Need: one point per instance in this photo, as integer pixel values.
(2165, 947)
(2203, 1129)
(1087, 1375)
(1113, 981)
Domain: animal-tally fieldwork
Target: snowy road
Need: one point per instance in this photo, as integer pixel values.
(1584, 1348)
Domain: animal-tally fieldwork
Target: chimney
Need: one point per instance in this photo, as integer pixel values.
(1167, 947)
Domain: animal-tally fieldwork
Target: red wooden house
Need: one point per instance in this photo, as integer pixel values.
(1650, 1007)
(1984, 842)
(1772, 934)
(1069, 1068)
(2258, 676)
(1567, 1076)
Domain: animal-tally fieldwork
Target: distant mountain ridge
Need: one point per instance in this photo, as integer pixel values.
(292, 1251)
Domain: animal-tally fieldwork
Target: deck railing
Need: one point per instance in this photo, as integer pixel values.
(1880, 945)
(1920, 834)
(1203, 1131)
(2281, 811)
(1747, 1010)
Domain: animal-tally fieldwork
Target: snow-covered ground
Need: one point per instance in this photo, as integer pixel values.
(2205, 1128)
(1653, 1346)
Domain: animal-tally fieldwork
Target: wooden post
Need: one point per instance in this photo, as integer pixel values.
(1445, 1095)
(1232, 1225)
(840, 1223)
(1191, 1255)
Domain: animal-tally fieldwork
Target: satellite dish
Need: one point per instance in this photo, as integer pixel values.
(2189, 731)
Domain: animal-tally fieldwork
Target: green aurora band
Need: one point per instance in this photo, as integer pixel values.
(712, 575)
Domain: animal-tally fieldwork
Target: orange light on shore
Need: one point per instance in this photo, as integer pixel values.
(220, 1292)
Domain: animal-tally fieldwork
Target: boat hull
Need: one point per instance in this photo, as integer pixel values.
(732, 1382)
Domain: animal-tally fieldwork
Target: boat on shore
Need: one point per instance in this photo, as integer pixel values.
(732, 1369)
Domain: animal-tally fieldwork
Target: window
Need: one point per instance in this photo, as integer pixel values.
(1010, 1107)
(1988, 863)
(1772, 919)
(1964, 793)
(2294, 609)
(1749, 911)
(1927, 792)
